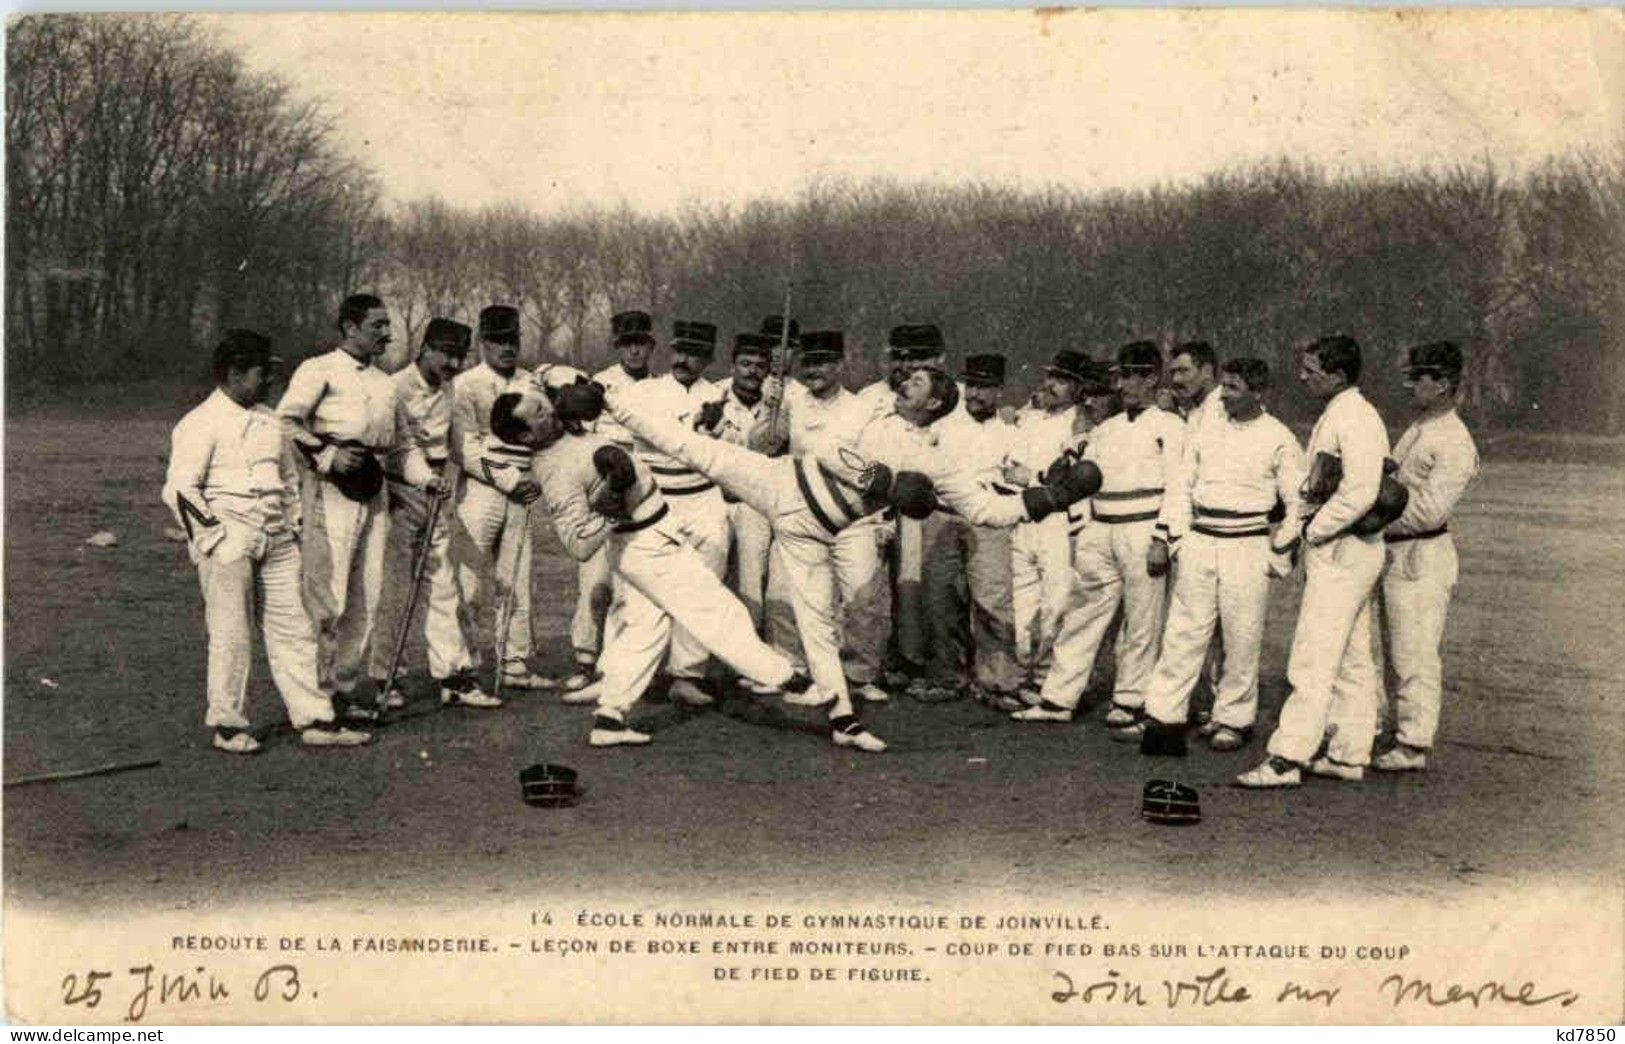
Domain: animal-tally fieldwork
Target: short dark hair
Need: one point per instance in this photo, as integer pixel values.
(1338, 353)
(943, 388)
(506, 426)
(1201, 353)
(355, 309)
(1254, 373)
(239, 350)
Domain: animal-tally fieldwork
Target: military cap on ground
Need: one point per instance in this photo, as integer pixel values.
(773, 326)
(689, 336)
(448, 335)
(822, 346)
(1172, 804)
(1437, 357)
(499, 323)
(632, 328)
(243, 350)
(754, 344)
(984, 371)
(1139, 357)
(1074, 366)
(915, 341)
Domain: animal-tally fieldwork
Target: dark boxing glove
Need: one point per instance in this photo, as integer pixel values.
(580, 403)
(615, 465)
(913, 495)
(710, 416)
(1066, 483)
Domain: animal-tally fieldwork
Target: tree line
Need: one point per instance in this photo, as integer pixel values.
(254, 215)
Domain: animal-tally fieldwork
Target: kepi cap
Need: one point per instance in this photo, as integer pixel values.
(697, 338)
(499, 323)
(632, 327)
(823, 346)
(984, 371)
(1172, 804)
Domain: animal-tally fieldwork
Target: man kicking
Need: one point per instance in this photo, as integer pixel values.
(810, 501)
(598, 495)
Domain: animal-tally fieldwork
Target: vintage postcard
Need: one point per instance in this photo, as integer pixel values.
(272, 734)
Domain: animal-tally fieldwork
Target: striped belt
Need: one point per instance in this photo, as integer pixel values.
(680, 473)
(1234, 523)
(642, 523)
(804, 483)
(1429, 534)
(1123, 495)
(1198, 527)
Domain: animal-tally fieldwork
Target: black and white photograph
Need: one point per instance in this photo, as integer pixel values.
(1029, 517)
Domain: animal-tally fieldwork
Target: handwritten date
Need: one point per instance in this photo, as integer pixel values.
(151, 988)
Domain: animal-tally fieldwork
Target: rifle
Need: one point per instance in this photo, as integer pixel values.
(780, 366)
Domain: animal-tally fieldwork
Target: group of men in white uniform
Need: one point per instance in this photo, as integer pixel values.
(917, 534)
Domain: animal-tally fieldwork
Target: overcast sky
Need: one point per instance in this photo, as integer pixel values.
(557, 110)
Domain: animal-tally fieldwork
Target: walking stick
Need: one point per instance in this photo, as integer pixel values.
(505, 611)
(420, 568)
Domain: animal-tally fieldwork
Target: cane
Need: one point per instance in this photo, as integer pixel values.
(420, 568)
(505, 611)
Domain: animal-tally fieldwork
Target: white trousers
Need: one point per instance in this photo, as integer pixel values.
(1109, 569)
(660, 582)
(593, 596)
(1040, 590)
(498, 533)
(1223, 583)
(242, 585)
(702, 519)
(1331, 669)
(443, 602)
(752, 545)
(344, 577)
(1417, 581)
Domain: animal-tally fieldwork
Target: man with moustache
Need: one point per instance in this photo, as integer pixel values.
(820, 418)
(1121, 556)
(696, 505)
(342, 414)
(1437, 460)
(632, 337)
(1334, 698)
(233, 486)
(1236, 470)
(424, 389)
(495, 492)
(1041, 552)
(733, 418)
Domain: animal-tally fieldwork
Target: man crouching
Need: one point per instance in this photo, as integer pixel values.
(599, 496)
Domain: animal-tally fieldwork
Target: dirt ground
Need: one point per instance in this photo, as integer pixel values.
(104, 662)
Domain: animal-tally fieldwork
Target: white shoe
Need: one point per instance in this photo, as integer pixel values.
(1270, 773)
(756, 688)
(1121, 717)
(1336, 770)
(1401, 759)
(612, 732)
(812, 696)
(1131, 733)
(869, 692)
(395, 698)
(583, 678)
(851, 733)
(524, 679)
(466, 692)
(1043, 711)
(1223, 738)
(688, 691)
(575, 697)
(328, 735)
(239, 742)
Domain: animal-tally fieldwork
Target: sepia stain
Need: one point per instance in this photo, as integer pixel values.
(1045, 14)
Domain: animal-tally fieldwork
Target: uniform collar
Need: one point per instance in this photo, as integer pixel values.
(344, 356)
